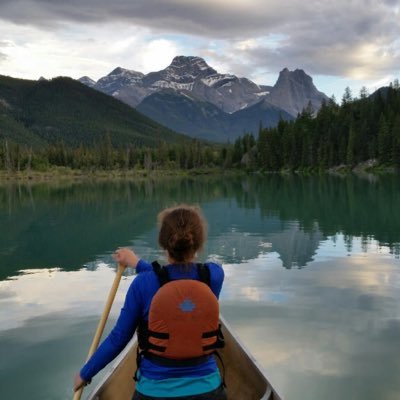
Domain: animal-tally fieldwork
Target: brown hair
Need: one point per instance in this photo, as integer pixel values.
(183, 231)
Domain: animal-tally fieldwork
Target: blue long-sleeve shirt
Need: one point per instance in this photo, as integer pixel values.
(136, 307)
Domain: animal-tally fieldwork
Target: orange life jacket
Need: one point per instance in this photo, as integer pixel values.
(183, 326)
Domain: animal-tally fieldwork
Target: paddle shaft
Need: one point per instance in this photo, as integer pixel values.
(103, 320)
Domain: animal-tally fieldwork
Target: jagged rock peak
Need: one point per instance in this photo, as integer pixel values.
(297, 75)
(191, 64)
(189, 60)
(294, 90)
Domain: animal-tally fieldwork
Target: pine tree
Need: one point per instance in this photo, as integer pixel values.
(364, 93)
(396, 141)
(350, 148)
(384, 147)
(347, 96)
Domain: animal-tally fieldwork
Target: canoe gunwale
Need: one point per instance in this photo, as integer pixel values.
(265, 389)
(114, 365)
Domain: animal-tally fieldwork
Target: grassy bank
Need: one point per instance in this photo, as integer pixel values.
(55, 173)
(63, 173)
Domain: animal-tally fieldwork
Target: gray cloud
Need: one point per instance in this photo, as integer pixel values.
(217, 19)
(171, 15)
(329, 38)
(352, 41)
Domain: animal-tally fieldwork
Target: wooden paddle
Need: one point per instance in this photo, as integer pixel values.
(103, 320)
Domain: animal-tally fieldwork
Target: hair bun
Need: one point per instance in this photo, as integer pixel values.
(181, 242)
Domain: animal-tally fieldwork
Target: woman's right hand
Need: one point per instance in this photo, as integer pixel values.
(79, 382)
(126, 257)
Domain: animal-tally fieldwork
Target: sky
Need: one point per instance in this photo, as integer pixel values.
(340, 43)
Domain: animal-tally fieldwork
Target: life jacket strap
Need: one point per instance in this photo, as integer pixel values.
(220, 340)
(158, 335)
(151, 346)
(138, 361)
(163, 277)
(210, 334)
(161, 273)
(204, 274)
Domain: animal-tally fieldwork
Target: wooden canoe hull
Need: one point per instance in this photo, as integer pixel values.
(244, 378)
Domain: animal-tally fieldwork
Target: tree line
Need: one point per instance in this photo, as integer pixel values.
(15, 157)
(357, 130)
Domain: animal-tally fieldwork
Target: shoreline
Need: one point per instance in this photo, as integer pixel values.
(67, 174)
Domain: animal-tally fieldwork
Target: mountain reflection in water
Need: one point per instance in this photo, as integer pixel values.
(59, 225)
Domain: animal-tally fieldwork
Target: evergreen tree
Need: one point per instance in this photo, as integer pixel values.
(364, 93)
(350, 148)
(347, 96)
(384, 145)
(396, 141)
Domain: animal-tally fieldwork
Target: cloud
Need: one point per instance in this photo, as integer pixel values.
(184, 16)
(68, 52)
(352, 41)
(211, 18)
(4, 44)
(253, 38)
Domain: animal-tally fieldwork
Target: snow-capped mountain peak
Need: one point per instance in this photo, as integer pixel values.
(191, 74)
(182, 70)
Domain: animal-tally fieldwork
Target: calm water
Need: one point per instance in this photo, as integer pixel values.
(312, 276)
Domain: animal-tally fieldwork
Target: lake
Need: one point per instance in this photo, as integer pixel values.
(312, 271)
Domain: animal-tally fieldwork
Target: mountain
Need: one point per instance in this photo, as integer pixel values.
(250, 118)
(43, 112)
(87, 81)
(184, 74)
(185, 113)
(293, 91)
(199, 118)
(195, 83)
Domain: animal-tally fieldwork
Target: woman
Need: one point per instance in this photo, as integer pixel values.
(182, 234)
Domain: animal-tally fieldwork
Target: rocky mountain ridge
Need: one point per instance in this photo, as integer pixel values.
(194, 78)
(292, 91)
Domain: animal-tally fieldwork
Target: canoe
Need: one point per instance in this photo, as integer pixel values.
(244, 378)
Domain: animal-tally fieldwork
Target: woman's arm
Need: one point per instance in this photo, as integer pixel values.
(217, 276)
(117, 339)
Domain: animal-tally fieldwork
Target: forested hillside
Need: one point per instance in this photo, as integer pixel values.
(37, 113)
(348, 134)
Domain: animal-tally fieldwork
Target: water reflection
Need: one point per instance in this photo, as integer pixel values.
(331, 331)
(333, 327)
(39, 292)
(67, 226)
